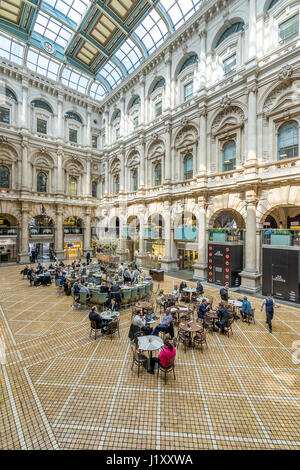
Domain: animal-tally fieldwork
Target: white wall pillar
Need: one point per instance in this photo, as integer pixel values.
(168, 86)
(60, 120)
(142, 163)
(25, 105)
(252, 30)
(202, 59)
(200, 268)
(202, 144)
(252, 125)
(167, 173)
(25, 176)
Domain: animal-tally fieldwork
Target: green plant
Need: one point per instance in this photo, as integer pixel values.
(109, 245)
(219, 230)
(282, 232)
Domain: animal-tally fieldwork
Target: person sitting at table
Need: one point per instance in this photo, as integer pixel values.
(104, 288)
(76, 288)
(223, 315)
(182, 286)
(47, 277)
(25, 271)
(165, 358)
(32, 278)
(61, 264)
(59, 275)
(135, 276)
(113, 305)
(203, 308)
(246, 309)
(166, 325)
(96, 317)
(84, 288)
(175, 293)
(141, 323)
(121, 270)
(39, 269)
(115, 293)
(159, 300)
(83, 270)
(199, 288)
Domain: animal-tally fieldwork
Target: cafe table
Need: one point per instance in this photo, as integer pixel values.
(190, 291)
(213, 316)
(149, 343)
(145, 306)
(107, 315)
(235, 304)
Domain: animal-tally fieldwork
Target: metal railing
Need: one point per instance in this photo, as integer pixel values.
(10, 231)
(185, 233)
(226, 235)
(281, 237)
(154, 233)
(72, 230)
(41, 231)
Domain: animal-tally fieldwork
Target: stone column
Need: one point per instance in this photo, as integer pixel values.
(202, 60)
(60, 120)
(106, 181)
(88, 127)
(200, 268)
(25, 116)
(167, 166)
(122, 170)
(250, 274)
(25, 173)
(123, 116)
(59, 236)
(87, 232)
(252, 31)
(140, 257)
(106, 114)
(24, 236)
(142, 96)
(88, 178)
(169, 262)
(168, 87)
(59, 180)
(202, 144)
(251, 162)
(142, 163)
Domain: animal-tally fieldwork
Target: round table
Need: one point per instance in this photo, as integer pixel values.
(235, 304)
(149, 343)
(213, 316)
(145, 306)
(106, 315)
(190, 327)
(190, 291)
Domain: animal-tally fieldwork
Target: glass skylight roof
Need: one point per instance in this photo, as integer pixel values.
(42, 64)
(52, 30)
(97, 91)
(76, 57)
(152, 31)
(75, 80)
(180, 10)
(11, 49)
(130, 55)
(111, 73)
(73, 9)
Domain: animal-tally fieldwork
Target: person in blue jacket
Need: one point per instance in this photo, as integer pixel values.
(223, 315)
(203, 308)
(269, 304)
(246, 309)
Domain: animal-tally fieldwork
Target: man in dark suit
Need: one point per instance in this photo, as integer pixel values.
(94, 316)
(223, 315)
(224, 294)
(203, 308)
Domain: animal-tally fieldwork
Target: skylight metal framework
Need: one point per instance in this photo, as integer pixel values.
(91, 45)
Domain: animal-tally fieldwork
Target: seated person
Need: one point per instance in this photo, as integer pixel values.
(47, 277)
(83, 270)
(115, 292)
(141, 323)
(32, 278)
(39, 269)
(246, 309)
(67, 287)
(113, 305)
(166, 325)
(199, 288)
(165, 358)
(104, 288)
(160, 299)
(127, 275)
(182, 286)
(203, 308)
(84, 288)
(223, 314)
(135, 276)
(59, 275)
(25, 271)
(94, 316)
(61, 264)
(175, 293)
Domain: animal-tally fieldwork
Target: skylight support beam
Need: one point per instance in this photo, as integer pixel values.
(119, 64)
(134, 37)
(164, 15)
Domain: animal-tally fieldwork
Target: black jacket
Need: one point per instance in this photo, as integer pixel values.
(224, 293)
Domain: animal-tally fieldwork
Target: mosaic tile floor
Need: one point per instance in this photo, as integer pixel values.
(62, 390)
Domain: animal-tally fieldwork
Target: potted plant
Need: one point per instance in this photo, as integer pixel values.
(281, 238)
(219, 234)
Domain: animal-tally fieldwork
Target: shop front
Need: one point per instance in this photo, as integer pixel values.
(155, 251)
(73, 238)
(187, 255)
(41, 238)
(8, 239)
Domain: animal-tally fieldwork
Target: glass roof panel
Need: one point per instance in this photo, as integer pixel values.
(152, 31)
(130, 55)
(73, 9)
(42, 64)
(52, 30)
(180, 10)
(75, 80)
(111, 73)
(97, 91)
(11, 49)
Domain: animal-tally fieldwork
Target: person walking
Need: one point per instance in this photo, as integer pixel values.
(269, 304)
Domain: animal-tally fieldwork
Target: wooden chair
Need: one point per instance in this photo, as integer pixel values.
(184, 297)
(94, 329)
(112, 328)
(138, 358)
(250, 318)
(200, 339)
(228, 328)
(169, 367)
(59, 287)
(208, 323)
(184, 338)
(83, 301)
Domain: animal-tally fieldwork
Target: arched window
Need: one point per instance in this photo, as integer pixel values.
(229, 155)
(115, 116)
(136, 100)
(157, 174)
(234, 28)
(160, 83)
(134, 179)
(188, 167)
(288, 136)
(4, 176)
(94, 189)
(189, 61)
(117, 184)
(74, 116)
(41, 182)
(41, 104)
(272, 4)
(10, 94)
(73, 186)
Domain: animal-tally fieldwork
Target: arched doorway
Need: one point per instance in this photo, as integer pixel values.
(131, 234)
(154, 240)
(73, 237)
(8, 238)
(185, 237)
(41, 238)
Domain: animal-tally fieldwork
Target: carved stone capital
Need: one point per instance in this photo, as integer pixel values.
(225, 102)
